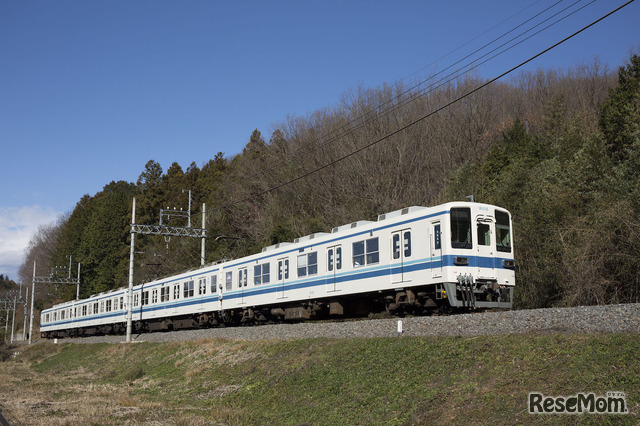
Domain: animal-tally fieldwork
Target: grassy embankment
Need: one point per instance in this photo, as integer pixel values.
(318, 381)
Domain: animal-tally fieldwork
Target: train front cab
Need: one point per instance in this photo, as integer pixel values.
(481, 262)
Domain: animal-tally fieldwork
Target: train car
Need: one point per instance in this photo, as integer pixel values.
(418, 259)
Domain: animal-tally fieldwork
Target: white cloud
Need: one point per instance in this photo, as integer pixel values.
(17, 226)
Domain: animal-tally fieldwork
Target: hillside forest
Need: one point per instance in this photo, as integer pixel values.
(560, 149)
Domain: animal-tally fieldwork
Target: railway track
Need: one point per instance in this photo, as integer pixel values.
(624, 318)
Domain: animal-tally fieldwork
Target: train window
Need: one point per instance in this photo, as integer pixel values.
(154, 296)
(62, 315)
(257, 274)
(214, 283)
(308, 264)
(302, 265)
(334, 258)
(229, 280)
(145, 298)
(338, 257)
(242, 277)
(313, 263)
(95, 308)
(46, 318)
(188, 289)
(84, 310)
(503, 232)
(437, 244)
(164, 294)
(484, 234)
(202, 286)
(108, 306)
(407, 243)
(135, 299)
(358, 253)
(176, 292)
(102, 306)
(261, 274)
(55, 316)
(366, 252)
(373, 255)
(461, 228)
(121, 302)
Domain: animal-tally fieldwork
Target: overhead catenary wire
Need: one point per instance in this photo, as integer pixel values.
(455, 74)
(433, 112)
(435, 61)
(380, 111)
(336, 134)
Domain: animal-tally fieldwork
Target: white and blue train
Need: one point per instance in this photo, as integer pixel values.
(413, 260)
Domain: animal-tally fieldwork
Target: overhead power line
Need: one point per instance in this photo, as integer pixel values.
(440, 80)
(435, 111)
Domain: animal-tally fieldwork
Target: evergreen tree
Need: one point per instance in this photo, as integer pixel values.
(620, 118)
(150, 193)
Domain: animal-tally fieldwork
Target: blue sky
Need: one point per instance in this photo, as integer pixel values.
(92, 90)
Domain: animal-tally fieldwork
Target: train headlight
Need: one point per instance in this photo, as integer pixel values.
(509, 264)
(460, 261)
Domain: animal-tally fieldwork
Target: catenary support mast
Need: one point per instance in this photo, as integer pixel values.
(130, 294)
(166, 231)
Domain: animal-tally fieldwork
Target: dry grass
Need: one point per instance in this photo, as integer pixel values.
(481, 380)
(54, 402)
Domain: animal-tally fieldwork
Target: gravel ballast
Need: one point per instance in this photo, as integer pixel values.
(583, 319)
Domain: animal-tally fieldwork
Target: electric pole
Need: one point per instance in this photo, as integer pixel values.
(165, 231)
(53, 278)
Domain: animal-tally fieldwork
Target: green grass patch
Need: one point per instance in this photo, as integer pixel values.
(350, 381)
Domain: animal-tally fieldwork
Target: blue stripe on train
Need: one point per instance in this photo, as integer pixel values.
(374, 272)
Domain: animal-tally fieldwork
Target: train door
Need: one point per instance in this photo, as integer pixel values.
(219, 279)
(436, 249)
(400, 254)
(242, 282)
(176, 297)
(485, 228)
(202, 291)
(334, 265)
(283, 277)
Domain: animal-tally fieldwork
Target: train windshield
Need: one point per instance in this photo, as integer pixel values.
(461, 228)
(503, 232)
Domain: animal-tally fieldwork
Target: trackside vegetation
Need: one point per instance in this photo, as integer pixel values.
(452, 380)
